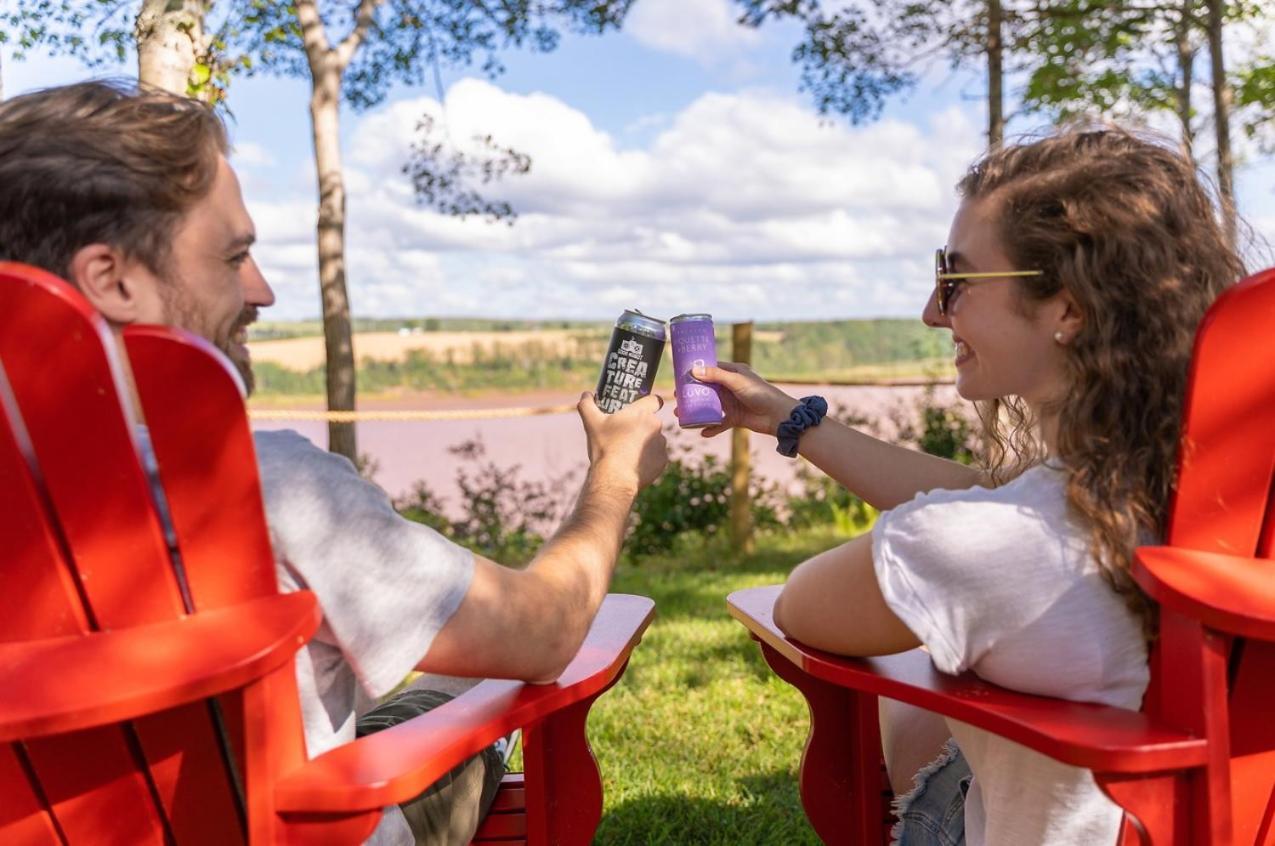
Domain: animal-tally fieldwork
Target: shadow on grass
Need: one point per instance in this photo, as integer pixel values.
(766, 811)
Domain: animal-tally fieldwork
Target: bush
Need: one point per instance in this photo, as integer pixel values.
(692, 496)
(822, 502)
(506, 518)
(943, 430)
(503, 517)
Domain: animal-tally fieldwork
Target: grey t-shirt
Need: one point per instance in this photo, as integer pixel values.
(386, 586)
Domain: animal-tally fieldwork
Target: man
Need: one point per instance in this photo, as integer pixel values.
(128, 195)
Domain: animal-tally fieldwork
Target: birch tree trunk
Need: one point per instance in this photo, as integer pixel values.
(325, 117)
(327, 64)
(995, 75)
(170, 40)
(1186, 75)
(1222, 121)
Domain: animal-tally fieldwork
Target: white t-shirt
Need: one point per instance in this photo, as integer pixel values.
(386, 586)
(1002, 582)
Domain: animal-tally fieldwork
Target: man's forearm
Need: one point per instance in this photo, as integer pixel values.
(576, 564)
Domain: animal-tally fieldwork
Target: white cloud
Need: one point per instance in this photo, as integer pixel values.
(248, 154)
(747, 204)
(704, 30)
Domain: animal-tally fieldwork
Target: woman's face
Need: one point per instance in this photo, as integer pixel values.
(1001, 347)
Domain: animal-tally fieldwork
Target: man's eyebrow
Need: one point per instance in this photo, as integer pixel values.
(242, 242)
(955, 261)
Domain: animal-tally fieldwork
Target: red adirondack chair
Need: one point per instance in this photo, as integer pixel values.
(1197, 765)
(137, 706)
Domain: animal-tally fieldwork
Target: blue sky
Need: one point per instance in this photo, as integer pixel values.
(675, 168)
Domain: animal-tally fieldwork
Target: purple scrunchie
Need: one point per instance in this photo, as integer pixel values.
(808, 414)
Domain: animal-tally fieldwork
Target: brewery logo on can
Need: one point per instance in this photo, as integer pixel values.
(628, 371)
(694, 345)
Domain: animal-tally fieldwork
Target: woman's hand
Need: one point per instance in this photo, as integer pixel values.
(748, 400)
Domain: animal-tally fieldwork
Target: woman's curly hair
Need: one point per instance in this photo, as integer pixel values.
(1124, 224)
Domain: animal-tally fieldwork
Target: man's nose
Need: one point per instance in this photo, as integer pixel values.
(256, 290)
(930, 314)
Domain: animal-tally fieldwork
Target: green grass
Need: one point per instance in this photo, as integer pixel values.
(699, 742)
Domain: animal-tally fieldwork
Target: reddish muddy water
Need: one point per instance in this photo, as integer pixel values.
(551, 446)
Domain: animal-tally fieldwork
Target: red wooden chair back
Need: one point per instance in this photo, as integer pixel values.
(90, 581)
(87, 551)
(1225, 503)
(1197, 766)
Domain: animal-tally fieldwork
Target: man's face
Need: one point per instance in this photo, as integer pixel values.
(212, 285)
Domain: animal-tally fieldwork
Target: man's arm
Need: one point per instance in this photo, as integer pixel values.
(528, 624)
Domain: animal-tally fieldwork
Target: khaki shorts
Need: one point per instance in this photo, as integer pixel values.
(450, 810)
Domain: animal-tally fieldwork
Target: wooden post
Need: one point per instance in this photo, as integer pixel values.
(741, 514)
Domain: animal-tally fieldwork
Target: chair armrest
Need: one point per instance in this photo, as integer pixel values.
(396, 764)
(1228, 593)
(63, 684)
(1081, 734)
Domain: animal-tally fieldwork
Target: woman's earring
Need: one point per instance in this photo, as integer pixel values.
(1058, 336)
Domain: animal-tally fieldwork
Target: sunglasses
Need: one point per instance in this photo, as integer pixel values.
(945, 281)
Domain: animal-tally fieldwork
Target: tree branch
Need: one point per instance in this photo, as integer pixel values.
(363, 18)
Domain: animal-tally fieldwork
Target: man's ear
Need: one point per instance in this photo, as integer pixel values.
(122, 291)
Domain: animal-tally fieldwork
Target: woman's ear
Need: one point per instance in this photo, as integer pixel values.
(1067, 318)
(120, 290)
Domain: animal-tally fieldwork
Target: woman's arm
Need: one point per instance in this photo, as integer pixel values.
(833, 602)
(883, 474)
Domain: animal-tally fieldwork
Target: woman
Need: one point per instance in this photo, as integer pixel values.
(1076, 270)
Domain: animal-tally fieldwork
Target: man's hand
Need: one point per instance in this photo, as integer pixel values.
(748, 401)
(627, 447)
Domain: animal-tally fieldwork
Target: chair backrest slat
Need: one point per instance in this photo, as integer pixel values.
(68, 399)
(1225, 502)
(193, 405)
(24, 816)
(194, 413)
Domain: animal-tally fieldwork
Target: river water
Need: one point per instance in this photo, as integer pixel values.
(549, 447)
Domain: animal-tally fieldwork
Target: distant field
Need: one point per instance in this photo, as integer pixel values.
(306, 352)
(474, 356)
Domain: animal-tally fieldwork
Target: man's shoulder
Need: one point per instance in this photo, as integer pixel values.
(272, 442)
(288, 459)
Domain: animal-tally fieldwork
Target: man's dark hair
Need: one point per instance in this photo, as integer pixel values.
(101, 162)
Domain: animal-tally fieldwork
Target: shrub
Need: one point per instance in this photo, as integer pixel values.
(692, 496)
(942, 430)
(503, 516)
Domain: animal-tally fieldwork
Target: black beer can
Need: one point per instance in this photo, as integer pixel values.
(628, 371)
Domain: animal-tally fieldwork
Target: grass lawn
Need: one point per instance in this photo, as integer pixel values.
(699, 742)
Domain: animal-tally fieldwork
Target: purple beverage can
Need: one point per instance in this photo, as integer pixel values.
(628, 371)
(694, 345)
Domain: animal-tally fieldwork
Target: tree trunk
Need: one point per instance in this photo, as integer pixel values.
(1186, 76)
(995, 75)
(325, 117)
(170, 40)
(1222, 122)
(1, 75)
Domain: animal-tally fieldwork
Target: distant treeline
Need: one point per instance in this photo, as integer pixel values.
(866, 350)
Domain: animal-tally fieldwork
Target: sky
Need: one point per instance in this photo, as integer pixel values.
(676, 167)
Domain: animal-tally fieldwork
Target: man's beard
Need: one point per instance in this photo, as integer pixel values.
(242, 363)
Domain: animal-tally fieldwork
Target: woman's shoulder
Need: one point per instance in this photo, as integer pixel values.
(1041, 487)
(982, 523)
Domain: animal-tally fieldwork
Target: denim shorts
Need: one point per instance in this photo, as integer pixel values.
(933, 813)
